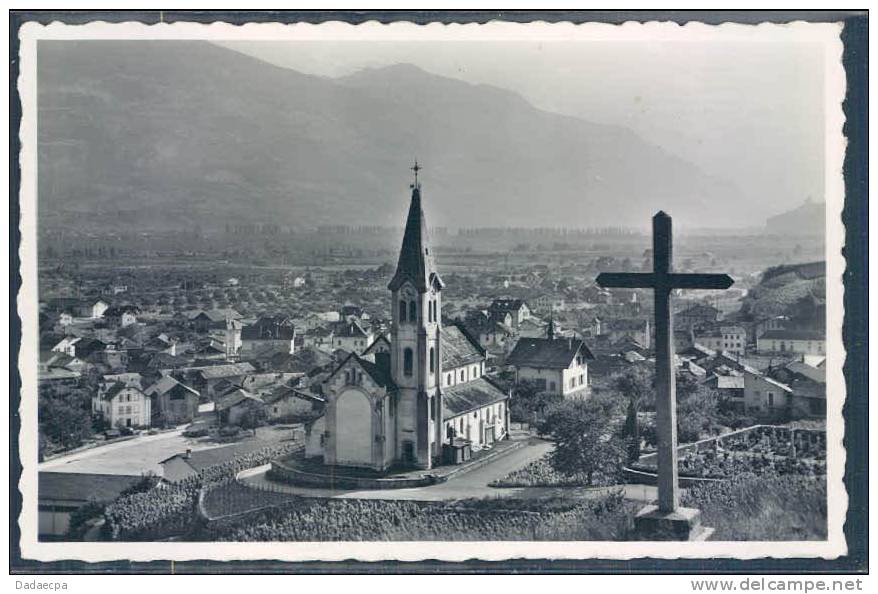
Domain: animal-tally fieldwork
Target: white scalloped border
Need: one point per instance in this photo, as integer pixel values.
(827, 34)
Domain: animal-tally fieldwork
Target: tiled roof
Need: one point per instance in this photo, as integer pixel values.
(75, 486)
(470, 396)
(202, 459)
(794, 335)
(269, 328)
(545, 353)
(350, 330)
(815, 374)
(227, 370)
(499, 305)
(234, 397)
(458, 348)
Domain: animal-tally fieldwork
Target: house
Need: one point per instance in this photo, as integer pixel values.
(771, 323)
(806, 342)
(190, 463)
(121, 316)
(214, 319)
(121, 402)
(276, 333)
(207, 379)
(637, 329)
(548, 303)
(532, 327)
(59, 494)
(79, 347)
(351, 337)
(729, 385)
(319, 337)
(238, 407)
(808, 384)
(556, 365)
(349, 313)
(697, 315)
(173, 403)
(516, 308)
(765, 396)
(729, 338)
(92, 309)
(293, 404)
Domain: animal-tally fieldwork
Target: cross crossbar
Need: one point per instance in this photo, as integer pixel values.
(663, 281)
(651, 280)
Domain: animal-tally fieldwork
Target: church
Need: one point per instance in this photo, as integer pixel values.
(414, 395)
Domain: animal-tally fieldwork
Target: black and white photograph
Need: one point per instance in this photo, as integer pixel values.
(500, 290)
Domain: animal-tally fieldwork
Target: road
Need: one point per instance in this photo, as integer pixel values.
(470, 484)
(139, 455)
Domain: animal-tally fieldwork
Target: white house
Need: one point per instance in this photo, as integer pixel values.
(122, 403)
(732, 339)
(557, 365)
(807, 342)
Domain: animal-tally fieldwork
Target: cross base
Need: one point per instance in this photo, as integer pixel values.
(682, 524)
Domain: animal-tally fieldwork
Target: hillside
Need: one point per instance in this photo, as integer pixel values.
(181, 134)
(809, 219)
(797, 291)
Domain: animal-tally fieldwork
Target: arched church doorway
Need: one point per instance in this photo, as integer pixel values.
(353, 442)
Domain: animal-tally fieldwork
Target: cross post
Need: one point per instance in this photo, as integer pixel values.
(662, 280)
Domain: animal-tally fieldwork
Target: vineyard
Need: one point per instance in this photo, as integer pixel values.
(606, 518)
(232, 498)
(171, 510)
(791, 507)
(762, 450)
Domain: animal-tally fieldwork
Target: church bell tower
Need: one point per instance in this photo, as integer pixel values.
(416, 329)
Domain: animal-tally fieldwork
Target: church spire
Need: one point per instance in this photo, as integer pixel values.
(415, 260)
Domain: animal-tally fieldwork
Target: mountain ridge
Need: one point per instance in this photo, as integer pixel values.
(189, 133)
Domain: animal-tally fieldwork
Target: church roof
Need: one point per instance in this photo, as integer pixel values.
(459, 347)
(415, 260)
(469, 396)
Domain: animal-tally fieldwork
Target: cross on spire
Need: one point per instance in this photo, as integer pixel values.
(662, 281)
(416, 168)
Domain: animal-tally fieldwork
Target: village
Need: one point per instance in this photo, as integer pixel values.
(160, 378)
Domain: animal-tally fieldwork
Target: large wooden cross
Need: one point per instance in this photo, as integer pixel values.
(662, 281)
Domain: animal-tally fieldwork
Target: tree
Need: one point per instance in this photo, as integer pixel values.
(636, 385)
(584, 439)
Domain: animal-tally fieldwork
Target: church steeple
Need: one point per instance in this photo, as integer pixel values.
(415, 259)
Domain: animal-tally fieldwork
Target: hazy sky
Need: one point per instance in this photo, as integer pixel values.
(751, 112)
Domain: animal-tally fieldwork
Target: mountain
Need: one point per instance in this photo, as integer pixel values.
(171, 134)
(809, 219)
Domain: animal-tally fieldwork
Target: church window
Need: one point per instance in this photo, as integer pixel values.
(402, 311)
(432, 360)
(413, 311)
(448, 380)
(392, 407)
(432, 408)
(461, 375)
(407, 362)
